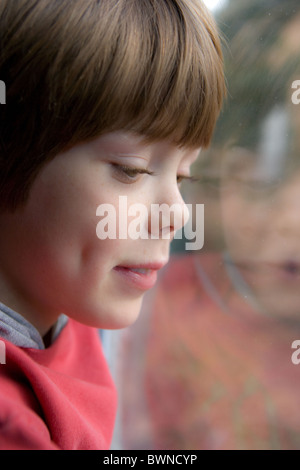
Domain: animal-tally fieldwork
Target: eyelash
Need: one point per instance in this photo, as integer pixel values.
(131, 174)
(181, 178)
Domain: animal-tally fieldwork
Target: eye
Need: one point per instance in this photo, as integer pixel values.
(181, 178)
(129, 174)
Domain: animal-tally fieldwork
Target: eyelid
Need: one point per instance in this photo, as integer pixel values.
(118, 157)
(133, 168)
(122, 173)
(190, 179)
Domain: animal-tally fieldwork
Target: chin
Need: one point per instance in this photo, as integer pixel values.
(112, 317)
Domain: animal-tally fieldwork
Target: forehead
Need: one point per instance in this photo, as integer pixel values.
(130, 144)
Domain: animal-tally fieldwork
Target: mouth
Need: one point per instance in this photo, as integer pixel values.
(142, 276)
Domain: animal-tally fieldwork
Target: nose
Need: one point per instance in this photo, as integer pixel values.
(286, 213)
(168, 214)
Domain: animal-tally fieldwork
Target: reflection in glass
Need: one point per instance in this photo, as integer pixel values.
(211, 354)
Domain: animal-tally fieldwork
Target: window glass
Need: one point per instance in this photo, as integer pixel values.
(212, 362)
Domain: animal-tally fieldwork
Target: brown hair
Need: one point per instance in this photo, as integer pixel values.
(75, 69)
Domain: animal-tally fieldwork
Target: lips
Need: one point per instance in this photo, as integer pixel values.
(142, 276)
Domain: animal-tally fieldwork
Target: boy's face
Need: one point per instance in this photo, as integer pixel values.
(51, 259)
(262, 230)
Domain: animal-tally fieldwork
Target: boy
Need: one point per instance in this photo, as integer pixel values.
(103, 98)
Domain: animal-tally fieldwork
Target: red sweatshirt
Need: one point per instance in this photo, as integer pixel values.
(59, 398)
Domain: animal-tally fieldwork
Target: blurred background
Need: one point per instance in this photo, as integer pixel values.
(208, 364)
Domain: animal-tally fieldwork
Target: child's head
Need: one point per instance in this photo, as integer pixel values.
(104, 98)
(76, 69)
(258, 147)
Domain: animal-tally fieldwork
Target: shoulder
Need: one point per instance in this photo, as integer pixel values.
(21, 423)
(44, 394)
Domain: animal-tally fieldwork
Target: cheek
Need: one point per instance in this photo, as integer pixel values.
(65, 220)
(66, 213)
(99, 257)
(233, 215)
(245, 223)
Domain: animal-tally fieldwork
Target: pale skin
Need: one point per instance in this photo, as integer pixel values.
(262, 229)
(52, 262)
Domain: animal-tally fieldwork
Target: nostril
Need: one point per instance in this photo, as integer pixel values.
(167, 219)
